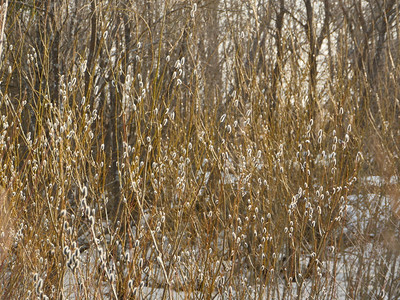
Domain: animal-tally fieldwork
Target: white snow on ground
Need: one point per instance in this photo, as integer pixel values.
(336, 274)
(379, 181)
(358, 218)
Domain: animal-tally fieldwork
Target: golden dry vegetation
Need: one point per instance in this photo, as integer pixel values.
(200, 149)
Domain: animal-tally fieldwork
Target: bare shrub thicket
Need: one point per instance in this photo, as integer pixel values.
(200, 149)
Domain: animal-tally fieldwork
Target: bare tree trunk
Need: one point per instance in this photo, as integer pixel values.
(92, 46)
(279, 56)
(3, 17)
(312, 58)
(315, 43)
